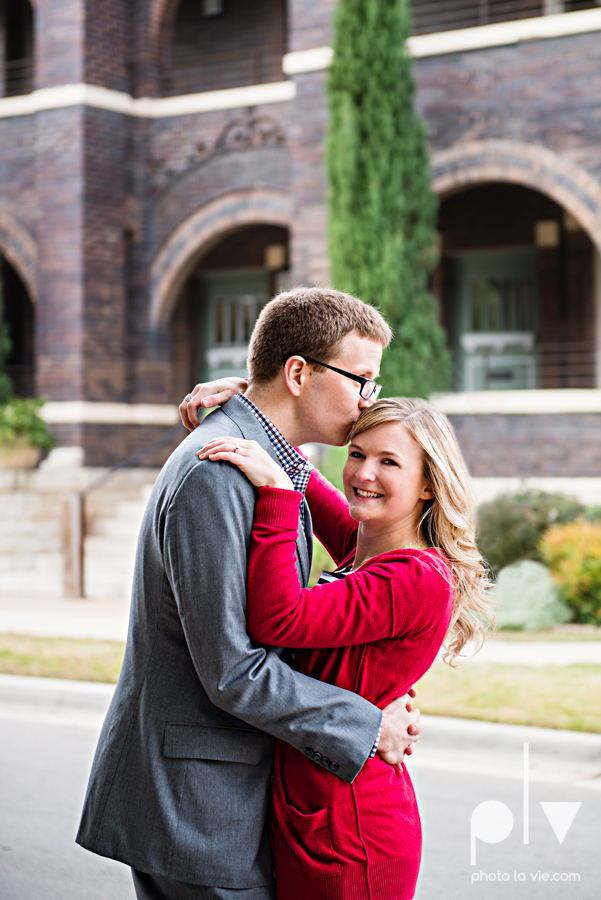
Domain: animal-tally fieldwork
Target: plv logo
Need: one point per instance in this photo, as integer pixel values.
(492, 821)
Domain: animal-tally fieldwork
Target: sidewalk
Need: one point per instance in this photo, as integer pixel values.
(107, 620)
(57, 617)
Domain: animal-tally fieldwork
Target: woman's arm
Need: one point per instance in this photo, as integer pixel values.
(332, 522)
(377, 602)
(204, 396)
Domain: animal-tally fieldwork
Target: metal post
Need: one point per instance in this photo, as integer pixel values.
(73, 536)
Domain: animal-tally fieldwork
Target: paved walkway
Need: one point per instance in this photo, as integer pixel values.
(57, 617)
(107, 620)
(537, 653)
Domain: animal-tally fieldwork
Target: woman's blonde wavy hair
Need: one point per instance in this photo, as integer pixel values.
(448, 519)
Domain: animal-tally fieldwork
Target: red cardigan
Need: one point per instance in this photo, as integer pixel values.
(375, 632)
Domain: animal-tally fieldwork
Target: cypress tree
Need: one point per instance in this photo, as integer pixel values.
(382, 212)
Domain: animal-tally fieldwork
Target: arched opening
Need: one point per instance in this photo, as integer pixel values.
(516, 284)
(219, 304)
(216, 44)
(17, 47)
(18, 314)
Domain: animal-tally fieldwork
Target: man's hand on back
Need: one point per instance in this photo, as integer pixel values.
(400, 730)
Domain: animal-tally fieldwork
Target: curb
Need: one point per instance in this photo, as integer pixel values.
(447, 743)
(471, 743)
(53, 694)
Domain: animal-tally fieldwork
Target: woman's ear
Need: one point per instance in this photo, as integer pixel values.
(427, 493)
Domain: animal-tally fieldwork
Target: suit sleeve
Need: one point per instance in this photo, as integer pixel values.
(206, 540)
(332, 522)
(395, 595)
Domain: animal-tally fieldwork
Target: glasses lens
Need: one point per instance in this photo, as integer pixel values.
(370, 390)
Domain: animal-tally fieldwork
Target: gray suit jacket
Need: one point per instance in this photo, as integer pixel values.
(180, 782)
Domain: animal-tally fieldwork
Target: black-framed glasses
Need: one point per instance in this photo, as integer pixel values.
(369, 390)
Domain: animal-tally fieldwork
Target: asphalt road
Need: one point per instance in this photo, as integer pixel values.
(44, 763)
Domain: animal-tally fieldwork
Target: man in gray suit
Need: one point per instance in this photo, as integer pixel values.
(180, 782)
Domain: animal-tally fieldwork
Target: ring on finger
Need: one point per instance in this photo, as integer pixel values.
(236, 448)
(187, 398)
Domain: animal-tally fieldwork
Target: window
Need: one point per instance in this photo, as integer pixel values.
(217, 44)
(430, 16)
(16, 17)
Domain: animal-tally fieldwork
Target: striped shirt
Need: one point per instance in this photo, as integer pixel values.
(328, 578)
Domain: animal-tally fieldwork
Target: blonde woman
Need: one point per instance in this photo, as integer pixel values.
(409, 577)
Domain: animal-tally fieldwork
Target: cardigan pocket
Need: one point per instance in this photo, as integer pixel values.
(306, 837)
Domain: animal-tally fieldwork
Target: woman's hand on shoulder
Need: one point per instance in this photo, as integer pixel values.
(251, 458)
(206, 395)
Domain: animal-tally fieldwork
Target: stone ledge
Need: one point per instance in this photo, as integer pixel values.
(465, 39)
(79, 412)
(519, 403)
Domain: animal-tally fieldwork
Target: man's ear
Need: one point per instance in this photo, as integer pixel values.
(295, 370)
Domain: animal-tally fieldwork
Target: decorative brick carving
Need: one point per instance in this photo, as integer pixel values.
(250, 131)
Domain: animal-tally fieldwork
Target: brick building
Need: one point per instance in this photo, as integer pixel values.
(161, 175)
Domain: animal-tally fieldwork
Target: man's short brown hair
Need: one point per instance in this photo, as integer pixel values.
(309, 322)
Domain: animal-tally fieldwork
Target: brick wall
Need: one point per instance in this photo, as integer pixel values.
(108, 45)
(101, 193)
(499, 446)
(103, 249)
(59, 45)
(60, 308)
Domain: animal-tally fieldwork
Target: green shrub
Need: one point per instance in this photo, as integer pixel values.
(573, 553)
(331, 463)
(322, 562)
(511, 526)
(20, 424)
(528, 598)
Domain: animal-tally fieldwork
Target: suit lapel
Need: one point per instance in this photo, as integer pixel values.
(252, 430)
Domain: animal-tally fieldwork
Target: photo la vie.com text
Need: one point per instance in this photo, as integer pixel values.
(492, 822)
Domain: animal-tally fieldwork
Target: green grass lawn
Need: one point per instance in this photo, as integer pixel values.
(79, 659)
(550, 696)
(559, 633)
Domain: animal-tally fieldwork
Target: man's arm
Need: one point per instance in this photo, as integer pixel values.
(206, 541)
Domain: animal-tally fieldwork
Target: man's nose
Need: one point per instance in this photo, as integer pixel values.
(364, 404)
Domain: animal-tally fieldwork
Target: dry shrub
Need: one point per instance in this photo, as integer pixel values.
(572, 551)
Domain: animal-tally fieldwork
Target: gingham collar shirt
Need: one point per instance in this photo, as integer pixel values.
(298, 470)
(296, 467)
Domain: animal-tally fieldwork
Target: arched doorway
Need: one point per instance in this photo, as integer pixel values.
(516, 286)
(16, 47)
(18, 314)
(216, 44)
(218, 306)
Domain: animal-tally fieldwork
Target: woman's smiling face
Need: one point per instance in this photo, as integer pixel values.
(384, 479)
